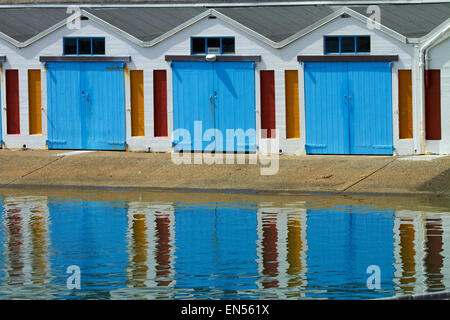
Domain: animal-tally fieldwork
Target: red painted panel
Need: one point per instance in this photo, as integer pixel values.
(12, 102)
(433, 104)
(160, 102)
(267, 78)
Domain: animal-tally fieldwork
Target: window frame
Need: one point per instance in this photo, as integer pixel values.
(370, 44)
(78, 46)
(92, 46)
(355, 49)
(64, 46)
(206, 44)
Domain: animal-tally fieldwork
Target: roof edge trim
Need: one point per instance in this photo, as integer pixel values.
(435, 32)
(219, 4)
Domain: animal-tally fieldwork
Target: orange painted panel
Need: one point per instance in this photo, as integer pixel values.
(137, 103)
(292, 104)
(34, 101)
(405, 104)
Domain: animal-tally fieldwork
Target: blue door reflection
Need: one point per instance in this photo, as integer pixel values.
(342, 245)
(216, 250)
(90, 235)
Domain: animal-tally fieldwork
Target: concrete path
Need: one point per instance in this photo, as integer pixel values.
(428, 175)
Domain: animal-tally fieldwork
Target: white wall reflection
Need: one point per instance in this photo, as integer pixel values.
(26, 267)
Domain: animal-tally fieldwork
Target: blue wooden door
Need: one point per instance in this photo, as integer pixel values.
(370, 105)
(326, 92)
(208, 99)
(234, 106)
(86, 106)
(103, 106)
(64, 106)
(193, 109)
(348, 108)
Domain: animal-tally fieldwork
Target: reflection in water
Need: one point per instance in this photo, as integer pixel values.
(215, 251)
(39, 254)
(294, 250)
(433, 258)
(407, 253)
(150, 238)
(139, 250)
(269, 250)
(14, 222)
(24, 247)
(163, 249)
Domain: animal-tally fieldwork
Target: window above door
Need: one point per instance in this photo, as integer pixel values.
(346, 44)
(83, 46)
(212, 45)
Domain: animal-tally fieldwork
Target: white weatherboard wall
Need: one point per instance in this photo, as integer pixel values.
(149, 59)
(440, 59)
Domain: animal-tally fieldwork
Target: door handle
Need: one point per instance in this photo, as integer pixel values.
(88, 101)
(86, 95)
(212, 105)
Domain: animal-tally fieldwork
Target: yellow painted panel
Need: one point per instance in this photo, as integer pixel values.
(292, 105)
(34, 101)
(294, 251)
(137, 103)
(405, 104)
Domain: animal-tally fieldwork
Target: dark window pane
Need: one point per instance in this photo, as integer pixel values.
(363, 44)
(227, 45)
(198, 45)
(331, 45)
(70, 46)
(98, 46)
(347, 44)
(84, 45)
(213, 45)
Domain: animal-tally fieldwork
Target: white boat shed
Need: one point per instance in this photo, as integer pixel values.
(331, 77)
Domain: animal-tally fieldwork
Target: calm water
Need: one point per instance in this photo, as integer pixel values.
(220, 247)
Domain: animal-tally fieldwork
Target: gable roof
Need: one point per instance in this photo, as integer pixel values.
(146, 24)
(275, 25)
(411, 20)
(22, 24)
